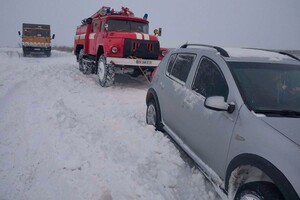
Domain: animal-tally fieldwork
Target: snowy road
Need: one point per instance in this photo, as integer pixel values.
(62, 136)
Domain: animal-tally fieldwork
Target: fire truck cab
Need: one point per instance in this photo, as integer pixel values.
(112, 42)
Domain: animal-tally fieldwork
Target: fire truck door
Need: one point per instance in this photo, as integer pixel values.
(93, 37)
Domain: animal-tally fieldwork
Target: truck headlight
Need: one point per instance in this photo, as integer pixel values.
(114, 49)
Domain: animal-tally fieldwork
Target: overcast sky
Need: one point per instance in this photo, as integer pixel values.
(273, 24)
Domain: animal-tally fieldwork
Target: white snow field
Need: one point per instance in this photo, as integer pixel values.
(64, 137)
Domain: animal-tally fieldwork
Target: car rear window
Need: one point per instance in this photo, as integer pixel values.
(180, 65)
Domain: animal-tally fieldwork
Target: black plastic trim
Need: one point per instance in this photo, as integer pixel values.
(222, 51)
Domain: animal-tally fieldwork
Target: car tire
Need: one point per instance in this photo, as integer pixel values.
(105, 72)
(258, 191)
(153, 116)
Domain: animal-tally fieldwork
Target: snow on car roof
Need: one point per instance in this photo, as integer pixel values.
(256, 53)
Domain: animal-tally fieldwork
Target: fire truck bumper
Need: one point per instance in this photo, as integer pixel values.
(132, 62)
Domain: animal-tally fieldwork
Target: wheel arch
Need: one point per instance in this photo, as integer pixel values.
(100, 51)
(151, 94)
(244, 163)
(78, 48)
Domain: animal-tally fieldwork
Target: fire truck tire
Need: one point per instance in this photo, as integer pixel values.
(105, 72)
(80, 56)
(48, 53)
(135, 73)
(25, 53)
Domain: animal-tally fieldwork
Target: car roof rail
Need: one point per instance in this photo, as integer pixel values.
(288, 54)
(280, 52)
(222, 51)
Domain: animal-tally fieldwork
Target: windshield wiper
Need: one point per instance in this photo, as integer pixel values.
(286, 113)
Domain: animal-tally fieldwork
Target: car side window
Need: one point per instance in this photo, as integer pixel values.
(171, 63)
(209, 80)
(180, 66)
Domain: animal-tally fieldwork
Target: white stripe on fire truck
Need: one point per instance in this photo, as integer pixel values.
(146, 37)
(92, 36)
(82, 36)
(139, 36)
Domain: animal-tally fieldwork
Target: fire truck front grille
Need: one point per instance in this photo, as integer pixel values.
(141, 48)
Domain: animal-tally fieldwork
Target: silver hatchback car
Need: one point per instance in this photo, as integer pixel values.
(236, 113)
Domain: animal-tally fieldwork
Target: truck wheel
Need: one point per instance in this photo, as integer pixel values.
(48, 53)
(25, 53)
(258, 191)
(135, 73)
(80, 56)
(106, 72)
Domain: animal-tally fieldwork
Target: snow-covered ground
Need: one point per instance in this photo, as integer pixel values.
(62, 137)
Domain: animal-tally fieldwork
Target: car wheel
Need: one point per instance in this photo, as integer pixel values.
(258, 191)
(152, 116)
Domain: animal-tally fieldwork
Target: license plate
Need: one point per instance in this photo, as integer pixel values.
(37, 49)
(144, 62)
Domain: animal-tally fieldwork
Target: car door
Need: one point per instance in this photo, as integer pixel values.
(173, 87)
(207, 132)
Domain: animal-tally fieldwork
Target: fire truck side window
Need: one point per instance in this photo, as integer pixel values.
(95, 26)
(102, 26)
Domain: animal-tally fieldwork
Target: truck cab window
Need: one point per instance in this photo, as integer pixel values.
(126, 25)
(95, 26)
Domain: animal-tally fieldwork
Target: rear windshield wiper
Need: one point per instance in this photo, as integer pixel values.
(286, 113)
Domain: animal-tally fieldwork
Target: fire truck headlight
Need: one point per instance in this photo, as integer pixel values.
(114, 49)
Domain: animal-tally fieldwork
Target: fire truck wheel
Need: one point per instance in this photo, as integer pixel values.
(135, 73)
(48, 53)
(106, 72)
(25, 53)
(80, 55)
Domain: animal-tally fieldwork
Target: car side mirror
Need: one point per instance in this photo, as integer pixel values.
(53, 36)
(218, 103)
(19, 33)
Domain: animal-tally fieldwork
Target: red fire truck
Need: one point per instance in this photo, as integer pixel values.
(111, 42)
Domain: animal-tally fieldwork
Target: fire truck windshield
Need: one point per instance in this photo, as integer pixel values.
(37, 32)
(129, 26)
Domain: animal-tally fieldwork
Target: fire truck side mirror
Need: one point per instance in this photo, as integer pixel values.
(53, 36)
(89, 20)
(157, 32)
